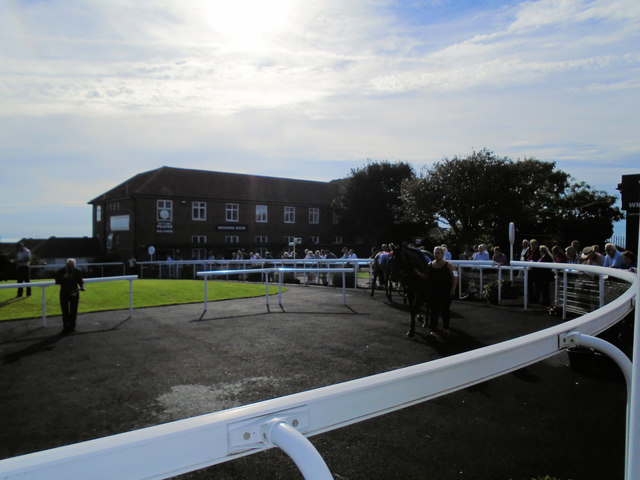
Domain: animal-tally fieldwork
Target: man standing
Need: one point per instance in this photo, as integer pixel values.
(69, 278)
(23, 259)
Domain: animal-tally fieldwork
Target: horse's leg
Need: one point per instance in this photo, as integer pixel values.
(412, 309)
(373, 281)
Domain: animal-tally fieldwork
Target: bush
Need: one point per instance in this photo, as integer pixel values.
(490, 291)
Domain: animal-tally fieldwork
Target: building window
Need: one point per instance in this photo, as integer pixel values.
(337, 240)
(232, 212)
(198, 211)
(198, 239)
(231, 239)
(165, 210)
(335, 218)
(289, 214)
(113, 206)
(262, 239)
(262, 214)
(98, 213)
(359, 240)
(314, 215)
(289, 239)
(198, 254)
(315, 239)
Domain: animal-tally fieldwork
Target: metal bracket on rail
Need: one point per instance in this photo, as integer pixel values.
(577, 339)
(284, 430)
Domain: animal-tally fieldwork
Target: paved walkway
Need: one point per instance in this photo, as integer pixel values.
(166, 363)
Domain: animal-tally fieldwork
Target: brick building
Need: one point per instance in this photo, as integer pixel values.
(193, 214)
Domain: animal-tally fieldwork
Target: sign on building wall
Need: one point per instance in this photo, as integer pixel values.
(164, 227)
(119, 223)
(231, 228)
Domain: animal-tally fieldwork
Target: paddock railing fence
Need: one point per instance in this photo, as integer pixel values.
(167, 450)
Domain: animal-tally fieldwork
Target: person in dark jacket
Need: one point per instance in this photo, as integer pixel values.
(71, 283)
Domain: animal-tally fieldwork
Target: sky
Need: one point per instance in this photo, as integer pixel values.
(93, 93)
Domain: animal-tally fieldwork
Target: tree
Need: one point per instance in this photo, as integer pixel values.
(477, 196)
(369, 198)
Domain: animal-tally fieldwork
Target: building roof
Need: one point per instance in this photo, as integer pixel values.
(181, 182)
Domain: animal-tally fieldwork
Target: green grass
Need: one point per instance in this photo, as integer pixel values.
(115, 296)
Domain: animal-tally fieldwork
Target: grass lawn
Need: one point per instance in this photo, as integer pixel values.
(115, 296)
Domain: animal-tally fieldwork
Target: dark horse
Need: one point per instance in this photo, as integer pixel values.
(7, 269)
(409, 266)
(380, 268)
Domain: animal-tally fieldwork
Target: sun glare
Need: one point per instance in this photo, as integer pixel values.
(247, 24)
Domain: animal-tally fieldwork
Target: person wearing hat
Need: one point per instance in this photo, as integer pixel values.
(591, 256)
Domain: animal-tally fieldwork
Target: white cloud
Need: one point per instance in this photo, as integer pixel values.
(95, 92)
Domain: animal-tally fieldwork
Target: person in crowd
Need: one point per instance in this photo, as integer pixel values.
(629, 261)
(482, 253)
(71, 283)
(499, 257)
(442, 288)
(533, 255)
(559, 256)
(591, 256)
(524, 253)
(572, 254)
(613, 257)
(447, 253)
(23, 259)
(543, 278)
(576, 245)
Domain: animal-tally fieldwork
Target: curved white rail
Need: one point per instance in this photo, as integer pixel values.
(167, 450)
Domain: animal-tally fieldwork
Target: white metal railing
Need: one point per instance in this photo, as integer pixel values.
(167, 450)
(82, 266)
(51, 283)
(173, 268)
(265, 275)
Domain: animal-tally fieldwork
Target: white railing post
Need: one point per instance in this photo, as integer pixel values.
(299, 448)
(44, 306)
(564, 294)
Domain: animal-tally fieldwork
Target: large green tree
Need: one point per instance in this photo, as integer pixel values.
(478, 195)
(369, 198)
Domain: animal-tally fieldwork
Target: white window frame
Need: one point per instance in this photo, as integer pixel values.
(164, 205)
(261, 239)
(98, 213)
(232, 212)
(231, 239)
(198, 239)
(315, 239)
(314, 215)
(337, 240)
(199, 211)
(198, 254)
(289, 239)
(289, 214)
(262, 213)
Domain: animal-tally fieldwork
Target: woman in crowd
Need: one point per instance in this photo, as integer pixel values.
(543, 277)
(499, 257)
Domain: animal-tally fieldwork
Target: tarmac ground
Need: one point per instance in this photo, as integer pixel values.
(117, 374)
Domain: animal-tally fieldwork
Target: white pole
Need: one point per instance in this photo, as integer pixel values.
(44, 307)
(299, 449)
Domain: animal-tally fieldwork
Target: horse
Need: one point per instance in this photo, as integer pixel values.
(7, 269)
(409, 266)
(380, 269)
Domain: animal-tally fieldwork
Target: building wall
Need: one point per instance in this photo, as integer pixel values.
(128, 226)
